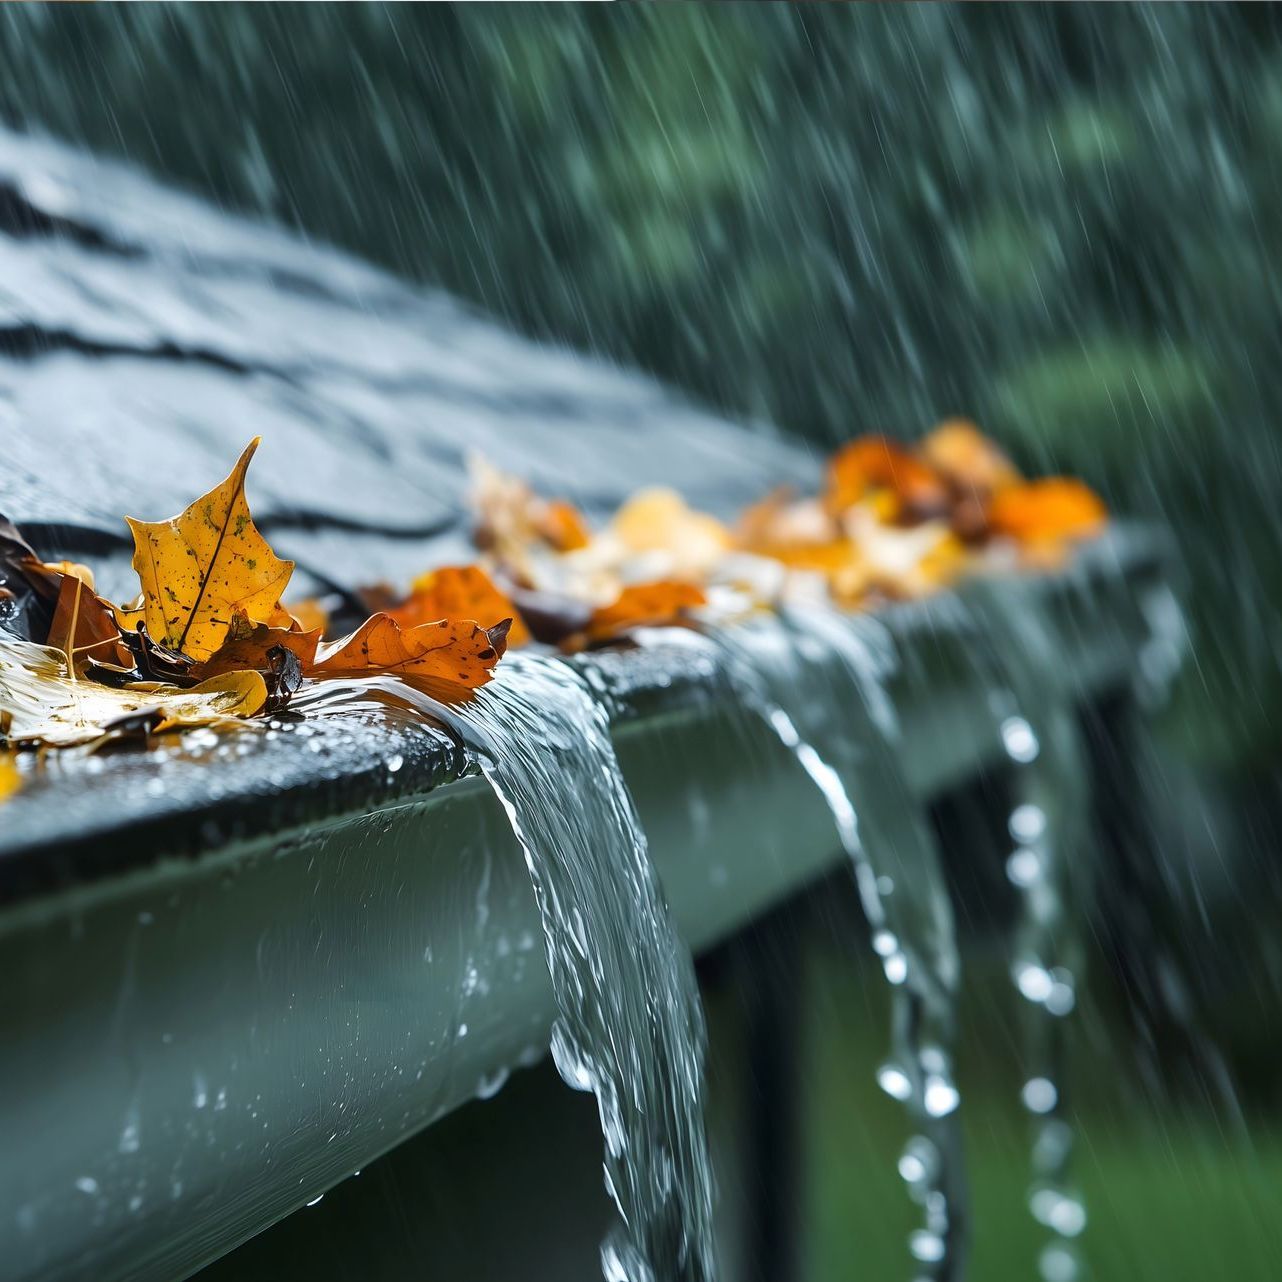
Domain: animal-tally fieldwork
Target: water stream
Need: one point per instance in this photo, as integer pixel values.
(629, 1026)
(1050, 866)
(818, 680)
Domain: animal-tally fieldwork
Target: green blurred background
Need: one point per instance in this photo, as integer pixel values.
(1064, 222)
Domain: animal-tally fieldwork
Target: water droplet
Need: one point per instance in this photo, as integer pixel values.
(490, 1085)
(1035, 983)
(894, 1082)
(87, 1184)
(1027, 822)
(1019, 740)
(1039, 1095)
(941, 1097)
(395, 762)
(884, 943)
(926, 1246)
(1024, 867)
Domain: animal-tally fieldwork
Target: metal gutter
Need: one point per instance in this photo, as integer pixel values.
(229, 993)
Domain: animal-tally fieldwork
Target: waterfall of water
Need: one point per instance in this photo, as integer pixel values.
(818, 681)
(630, 1026)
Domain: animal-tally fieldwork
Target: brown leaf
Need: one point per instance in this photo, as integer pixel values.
(199, 567)
(873, 464)
(450, 657)
(967, 459)
(248, 645)
(644, 605)
(28, 587)
(84, 627)
(460, 592)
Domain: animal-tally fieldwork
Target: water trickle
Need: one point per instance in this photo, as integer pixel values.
(818, 680)
(630, 1027)
(1038, 728)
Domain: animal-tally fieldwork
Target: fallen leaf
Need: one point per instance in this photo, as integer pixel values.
(84, 626)
(659, 520)
(1049, 510)
(563, 527)
(29, 586)
(644, 605)
(515, 525)
(449, 657)
(971, 463)
(308, 615)
(46, 704)
(199, 567)
(551, 617)
(460, 592)
(248, 645)
(10, 778)
(873, 464)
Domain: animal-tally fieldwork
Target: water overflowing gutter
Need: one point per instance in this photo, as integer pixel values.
(239, 984)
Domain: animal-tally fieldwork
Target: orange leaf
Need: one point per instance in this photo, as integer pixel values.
(308, 615)
(876, 463)
(562, 525)
(966, 458)
(450, 657)
(84, 626)
(460, 592)
(201, 566)
(1044, 511)
(644, 605)
(247, 645)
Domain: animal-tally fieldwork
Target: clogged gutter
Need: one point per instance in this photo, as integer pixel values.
(208, 641)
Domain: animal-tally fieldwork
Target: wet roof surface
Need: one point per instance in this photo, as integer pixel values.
(145, 336)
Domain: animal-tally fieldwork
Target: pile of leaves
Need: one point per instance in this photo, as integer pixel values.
(207, 640)
(891, 523)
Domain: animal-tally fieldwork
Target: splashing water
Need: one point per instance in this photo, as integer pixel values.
(818, 681)
(630, 1027)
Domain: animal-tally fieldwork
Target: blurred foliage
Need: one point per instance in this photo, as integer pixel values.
(1063, 221)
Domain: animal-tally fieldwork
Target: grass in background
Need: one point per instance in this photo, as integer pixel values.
(1169, 1197)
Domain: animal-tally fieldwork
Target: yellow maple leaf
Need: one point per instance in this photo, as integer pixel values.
(197, 568)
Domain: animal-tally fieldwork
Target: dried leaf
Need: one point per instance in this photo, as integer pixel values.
(515, 525)
(644, 605)
(308, 615)
(659, 520)
(10, 778)
(249, 644)
(46, 704)
(449, 657)
(967, 459)
(84, 627)
(1049, 510)
(199, 567)
(460, 592)
(551, 616)
(563, 527)
(873, 464)
(28, 587)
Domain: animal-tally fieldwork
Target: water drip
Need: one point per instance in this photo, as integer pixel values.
(818, 680)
